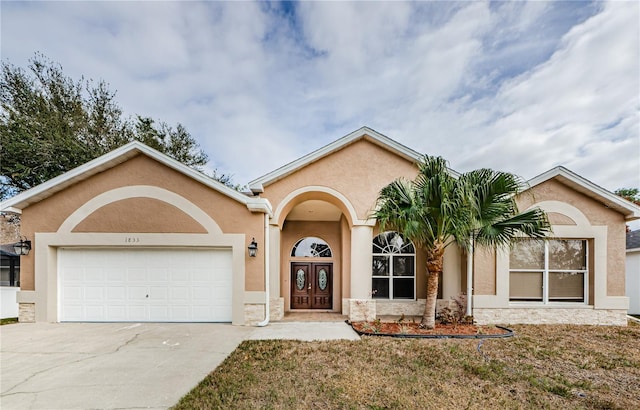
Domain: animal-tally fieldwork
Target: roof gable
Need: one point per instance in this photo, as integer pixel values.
(114, 158)
(588, 188)
(257, 185)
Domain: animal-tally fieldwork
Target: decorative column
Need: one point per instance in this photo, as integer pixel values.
(361, 306)
(276, 298)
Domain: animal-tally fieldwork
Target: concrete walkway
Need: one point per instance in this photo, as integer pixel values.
(125, 365)
(307, 331)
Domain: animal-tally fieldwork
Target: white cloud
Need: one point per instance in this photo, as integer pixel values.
(520, 86)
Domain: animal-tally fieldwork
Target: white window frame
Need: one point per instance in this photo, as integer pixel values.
(390, 277)
(545, 276)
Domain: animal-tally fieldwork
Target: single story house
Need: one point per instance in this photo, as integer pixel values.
(633, 271)
(137, 236)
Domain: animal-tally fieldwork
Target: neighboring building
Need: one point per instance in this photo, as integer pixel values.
(9, 281)
(137, 236)
(633, 271)
(9, 266)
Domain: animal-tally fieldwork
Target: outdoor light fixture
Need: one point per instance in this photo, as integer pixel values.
(253, 248)
(23, 247)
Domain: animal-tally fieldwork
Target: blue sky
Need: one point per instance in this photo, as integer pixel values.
(516, 86)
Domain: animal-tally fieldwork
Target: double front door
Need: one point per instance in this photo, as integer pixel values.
(311, 285)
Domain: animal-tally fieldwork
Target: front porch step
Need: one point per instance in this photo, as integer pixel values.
(314, 317)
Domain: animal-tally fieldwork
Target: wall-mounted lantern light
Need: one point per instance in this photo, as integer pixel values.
(23, 247)
(253, 248)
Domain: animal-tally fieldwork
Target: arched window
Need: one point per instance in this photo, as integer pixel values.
(311, 247)
(394, 266)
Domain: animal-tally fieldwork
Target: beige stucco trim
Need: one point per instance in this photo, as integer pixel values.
(274, 261)
(289, 201)
(254, 297)
(361, 261)
(140, 191)
(45, 295)
(583, 230)
(375, 137)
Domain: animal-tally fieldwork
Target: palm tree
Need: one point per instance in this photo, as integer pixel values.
(438, 209)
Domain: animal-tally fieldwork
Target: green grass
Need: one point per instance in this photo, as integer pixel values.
(8, 321)
(542, 367)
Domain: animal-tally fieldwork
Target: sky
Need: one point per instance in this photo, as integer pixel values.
(515, 86)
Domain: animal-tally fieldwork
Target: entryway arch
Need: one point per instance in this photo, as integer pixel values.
(314, 225)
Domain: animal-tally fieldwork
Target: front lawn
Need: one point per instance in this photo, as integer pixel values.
(541, 367)
(8, 321)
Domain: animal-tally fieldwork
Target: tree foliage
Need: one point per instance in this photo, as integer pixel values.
(438, 209)
(630, 194)
(50, 123)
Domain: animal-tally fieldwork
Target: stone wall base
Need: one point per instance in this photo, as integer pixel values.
(27, 312)
(369, 309)
(535, 316)
(362, 310)
(276, 309)
(253, 314)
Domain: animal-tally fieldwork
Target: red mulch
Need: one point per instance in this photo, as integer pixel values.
(411, 328)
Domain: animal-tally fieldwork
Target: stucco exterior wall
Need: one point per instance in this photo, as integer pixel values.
(484, 272)
(573, 215)
(357, 171)
(148, 215)
(598, 215)
(132, 215)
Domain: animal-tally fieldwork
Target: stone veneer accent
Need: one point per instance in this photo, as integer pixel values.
(362, 310)
(276, 309)
(369, 309)
(27, 312)
(253, 314)
(537, 316)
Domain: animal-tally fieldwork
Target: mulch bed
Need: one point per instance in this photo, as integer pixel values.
(412, 330)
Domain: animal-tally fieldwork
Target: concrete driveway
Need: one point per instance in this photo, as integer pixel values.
(108, 365)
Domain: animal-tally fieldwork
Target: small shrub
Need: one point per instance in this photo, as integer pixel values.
(456, 315)
(377, 326)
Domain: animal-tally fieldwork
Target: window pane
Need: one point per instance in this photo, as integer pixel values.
(392, 242)
(566, 286)
(380, 288)
(525, 286)
(311, 247)
(568, 254)
(402, 288)
(403, 266)
(527, 254)
(380, 266)
(4, 276)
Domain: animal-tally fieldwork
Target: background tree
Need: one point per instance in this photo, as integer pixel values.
(50, 123)
(630, 194)
(437, 209)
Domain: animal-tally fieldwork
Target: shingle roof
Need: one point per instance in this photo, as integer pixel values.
(633, 239)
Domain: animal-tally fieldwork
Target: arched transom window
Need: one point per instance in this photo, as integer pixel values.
(394, 266)
(311, 247)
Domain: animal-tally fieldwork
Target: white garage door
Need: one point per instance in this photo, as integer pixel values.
(137, 285)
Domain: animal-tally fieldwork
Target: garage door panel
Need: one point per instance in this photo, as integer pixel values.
(178, 285)
(116, 293)
(136, 274)
(115, 313)
(94, 294)
(112, 274)
(180, 275)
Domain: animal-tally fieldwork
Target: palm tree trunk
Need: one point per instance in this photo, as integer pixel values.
(435, 259)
